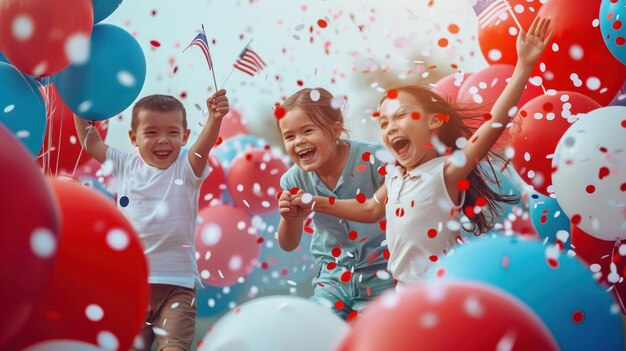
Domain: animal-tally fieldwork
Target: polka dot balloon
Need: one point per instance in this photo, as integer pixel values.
(612, 17)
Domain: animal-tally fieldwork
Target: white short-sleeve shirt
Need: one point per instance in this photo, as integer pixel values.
(418, 210)
(162, 205)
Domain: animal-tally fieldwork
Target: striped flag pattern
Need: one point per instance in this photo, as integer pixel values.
(201, 42)
(489, 10)
(249, 62)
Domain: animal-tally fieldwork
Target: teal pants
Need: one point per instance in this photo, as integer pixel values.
(362, 286)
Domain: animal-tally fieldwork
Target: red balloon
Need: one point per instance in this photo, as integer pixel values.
(497, 39)
(61, 152)
(42, 37)
(213, 185)
(253, 180)
(544, 121)
(29, 231)
(449, 316)
(232, 125)
(486, 85)
(448, 86)
(581, 62)
(227, 245)
(98, 292)
(599, 255)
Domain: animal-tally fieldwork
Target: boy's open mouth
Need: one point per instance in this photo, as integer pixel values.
(162, 155)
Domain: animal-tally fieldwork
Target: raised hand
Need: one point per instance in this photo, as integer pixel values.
(218, 104)
(531, 45)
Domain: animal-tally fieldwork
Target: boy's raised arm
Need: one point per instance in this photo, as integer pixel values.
(199, 152)
(90, 140)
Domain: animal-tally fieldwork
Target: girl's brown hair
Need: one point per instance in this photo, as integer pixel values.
(320, 111)
(462, 121)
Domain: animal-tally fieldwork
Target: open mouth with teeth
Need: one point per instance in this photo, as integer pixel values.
(400, 146)
(306, 154)
(162, 155)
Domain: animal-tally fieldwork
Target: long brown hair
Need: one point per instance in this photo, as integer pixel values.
(462, 121)
(320, 111)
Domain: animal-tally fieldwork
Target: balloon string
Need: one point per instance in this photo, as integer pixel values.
(56, 168)
(92, 125)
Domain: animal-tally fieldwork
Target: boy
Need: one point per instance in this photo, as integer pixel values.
(158, 192)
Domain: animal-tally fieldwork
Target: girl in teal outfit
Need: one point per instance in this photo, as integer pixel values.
(351, 256)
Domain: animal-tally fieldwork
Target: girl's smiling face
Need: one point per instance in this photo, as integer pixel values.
(308, 145)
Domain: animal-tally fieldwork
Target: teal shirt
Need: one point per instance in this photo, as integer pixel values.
(332, 232)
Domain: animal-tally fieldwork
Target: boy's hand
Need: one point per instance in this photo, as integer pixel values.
(218, 104)
(531, 45)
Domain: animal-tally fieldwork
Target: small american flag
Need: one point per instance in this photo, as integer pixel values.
(488, 10)
(201, 42)
(249, 62)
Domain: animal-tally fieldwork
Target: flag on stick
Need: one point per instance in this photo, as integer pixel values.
(201, 42)
(249, 62)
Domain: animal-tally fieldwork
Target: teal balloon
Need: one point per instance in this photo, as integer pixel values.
(22, 109)
(103, 8)
(110, 80)
(3, 58)
(547, 217)
(612, 13)
(213, 301)
(560, 289)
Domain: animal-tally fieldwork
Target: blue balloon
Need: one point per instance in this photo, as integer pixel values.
(612, 15)
(103, 8)
(559, 289)
(231, 147)
(3, 58)
(547, 217)
(110, 80)
(213, 301)
(22, 109)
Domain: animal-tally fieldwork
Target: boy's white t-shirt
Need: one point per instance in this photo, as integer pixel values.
(418, 210)
(162, 205)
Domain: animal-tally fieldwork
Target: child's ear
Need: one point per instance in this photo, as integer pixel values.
(186, 136)
(435, 121)
(133, 137)
(337, 129)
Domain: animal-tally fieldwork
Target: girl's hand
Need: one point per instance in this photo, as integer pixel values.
(291, 206)
(303, 209)
(531, 45)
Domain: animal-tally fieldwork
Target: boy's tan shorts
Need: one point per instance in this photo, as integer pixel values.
(170, 318)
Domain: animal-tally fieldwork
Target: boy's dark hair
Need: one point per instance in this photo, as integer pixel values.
(157, 102)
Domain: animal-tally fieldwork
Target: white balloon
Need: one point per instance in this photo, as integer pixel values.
(276, 323)
(590, 172)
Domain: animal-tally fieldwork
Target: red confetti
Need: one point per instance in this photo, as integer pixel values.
(183, 95)
(346, 276)
(322, 23)
(623, 187)
(386, 254)
(590, 189)
(523, 113)
(548, 106)
(469, 211)
(366, 156)
(382, 225)
(360, 198)
(481, 201)
(265, 265)
(543, 219)
(352, 316)
(300, 83)
(399, 212)
(279, 112)
(432, 233)
(433, 258)
(416, 115)
(219, 140)
(336, 252)
(487, 116)
(463, 184)
(361, 168)
(331, 265)
(353, 235)
(294, 190)
(376, 114)
(553, 263)
(309, 230)
(260, 240)
(576, 219)
(155, 43)
(604, 172)
(440, 272)
(392, 94)
(339, 305)
(382, 170)
(443, 42)
(331, 200)
(453, 28)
